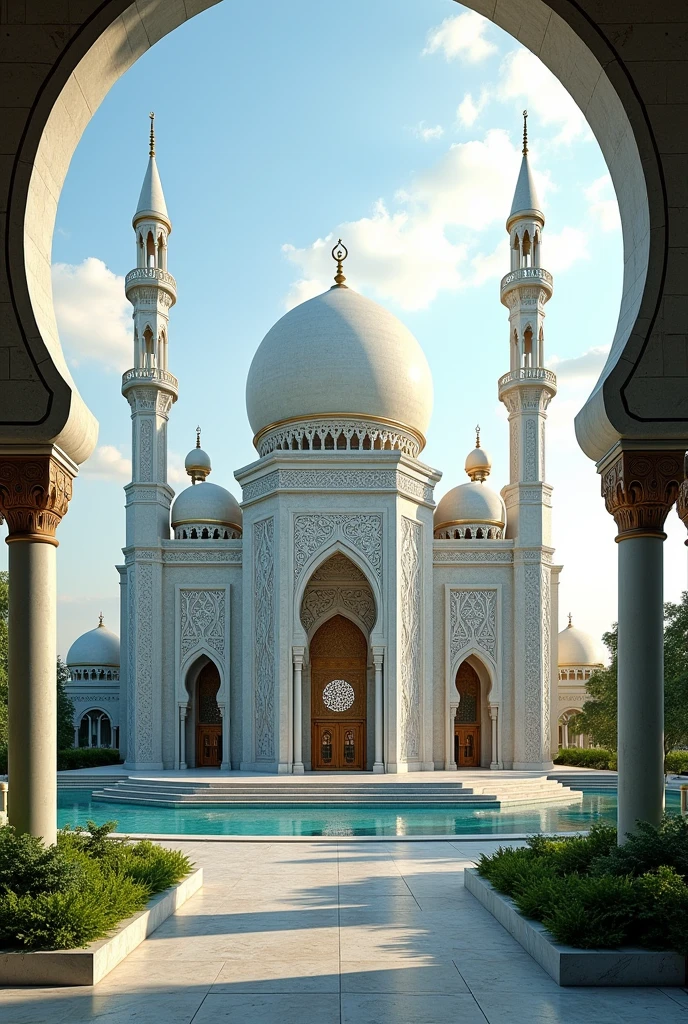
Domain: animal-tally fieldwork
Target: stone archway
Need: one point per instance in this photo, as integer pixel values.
(339, 696)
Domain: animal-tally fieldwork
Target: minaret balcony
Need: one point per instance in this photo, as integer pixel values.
(530, 375)
(163, 379)
(147, 276)
(527, 276)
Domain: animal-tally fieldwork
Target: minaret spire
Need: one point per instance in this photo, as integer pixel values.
(525, 132)
(151, 151)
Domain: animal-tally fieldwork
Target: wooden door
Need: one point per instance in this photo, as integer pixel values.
(209, 746)
(467, 721)
(208, 719)
(339, 683)
(467, 746)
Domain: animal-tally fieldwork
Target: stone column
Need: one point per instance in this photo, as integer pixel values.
(565, 733)
(639, 489)
(34, 494)
(225, 764)
(494, 715)
(450, 764)
(297, 766)
(379, 765)
(182, 738)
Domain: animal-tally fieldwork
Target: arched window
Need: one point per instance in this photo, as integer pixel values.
(526, 250)
(150, 250)
(95, 729)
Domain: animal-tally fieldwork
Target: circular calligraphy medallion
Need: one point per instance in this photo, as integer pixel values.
(338, 695)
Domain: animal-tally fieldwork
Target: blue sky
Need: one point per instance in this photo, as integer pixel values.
(396, 124)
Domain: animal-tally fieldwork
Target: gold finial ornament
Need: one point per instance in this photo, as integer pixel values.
(525, 133)
(477, 436)
(339, 253)
(100, 619)
(198, 437)
(570, 625)
(151, 151)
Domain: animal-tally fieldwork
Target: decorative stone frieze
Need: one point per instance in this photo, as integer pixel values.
(473, 621)
(264, 638)
(35, 491)
(313, 532)
(460, 555)
(338, 480)
(338, 435)
(639, 489)
(411, 629)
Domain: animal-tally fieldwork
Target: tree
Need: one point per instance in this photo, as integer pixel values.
(65, 708)
(598, 718)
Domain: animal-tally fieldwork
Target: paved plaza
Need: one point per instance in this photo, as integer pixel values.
(335, 932)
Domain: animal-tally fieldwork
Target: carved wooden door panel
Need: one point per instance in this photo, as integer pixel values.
(467, 746)
(209, 746)
(339, 683)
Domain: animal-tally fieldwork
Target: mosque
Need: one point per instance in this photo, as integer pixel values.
(338, 618)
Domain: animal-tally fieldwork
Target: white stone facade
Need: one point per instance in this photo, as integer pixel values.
(454, 610)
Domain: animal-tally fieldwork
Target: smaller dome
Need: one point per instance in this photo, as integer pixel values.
(100, 646)
(206, 504)
(197, 462)
(478, 462)
(579, 648)
(469, 504)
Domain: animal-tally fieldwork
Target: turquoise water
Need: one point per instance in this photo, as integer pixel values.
(76, 807)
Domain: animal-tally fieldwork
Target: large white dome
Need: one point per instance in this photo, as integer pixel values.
(99, 647)
(470, 504)
(339, 354)
(579, 648)
(206, 504)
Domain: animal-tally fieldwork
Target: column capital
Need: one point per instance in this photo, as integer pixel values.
(183, 711)
(639, 488)
(682, 499)
(378, 656)
(35, 490)
(493, 710)
(298, 654)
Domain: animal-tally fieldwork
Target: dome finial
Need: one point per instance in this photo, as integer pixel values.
(477, 436)
(478, 462)
(100, 619)
(198, 437)
(525, 133)
(339, 253)
(570, 625)
(151, 151)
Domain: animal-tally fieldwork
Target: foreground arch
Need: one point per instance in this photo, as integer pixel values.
(625, 76)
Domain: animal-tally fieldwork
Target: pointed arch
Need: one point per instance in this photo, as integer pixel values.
(318, 558)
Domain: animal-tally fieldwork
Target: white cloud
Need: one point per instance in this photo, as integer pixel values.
(462, 35)
(560, 250)
(93, 315)
(524, 77)
(108, 463)
(494, 265)
(468, 110)
(176, 474)
(587, 366)
(426, 133)
(405, 254)
(603, 208)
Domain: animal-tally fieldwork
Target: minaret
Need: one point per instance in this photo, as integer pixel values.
(151, 390)
(526, 391)
(149, 387)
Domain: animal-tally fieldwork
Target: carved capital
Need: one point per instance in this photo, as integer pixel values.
(682, 499)
(639, 488)
(35, 491)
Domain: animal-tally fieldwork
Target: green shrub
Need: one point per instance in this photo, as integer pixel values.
(592, 894)
(676, 761)
(648, 848)
(592, 912)
(63, 896)
(86, 757)
(591, 757)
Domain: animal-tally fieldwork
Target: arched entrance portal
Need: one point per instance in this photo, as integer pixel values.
(339, 663)
(208, 718)
(467, 718)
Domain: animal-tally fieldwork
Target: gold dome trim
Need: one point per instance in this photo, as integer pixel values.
(326, 416)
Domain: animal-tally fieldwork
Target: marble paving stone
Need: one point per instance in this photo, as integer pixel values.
(582, 1006)
(160, 976)
(134, 1008)
(270, 976)
(404, 1008)
(396, 976)
(271, 1008)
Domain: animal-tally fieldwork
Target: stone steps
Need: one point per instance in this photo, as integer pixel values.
(587, 779)
(231, 792)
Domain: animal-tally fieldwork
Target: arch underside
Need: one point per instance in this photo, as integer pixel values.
(41, 404)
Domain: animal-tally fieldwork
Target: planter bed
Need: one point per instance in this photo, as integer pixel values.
(88, 966)
(570, 966)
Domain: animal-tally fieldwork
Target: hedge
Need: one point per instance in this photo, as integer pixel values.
(590, 893)
(75, 757)
(67, 895)
(676, 761)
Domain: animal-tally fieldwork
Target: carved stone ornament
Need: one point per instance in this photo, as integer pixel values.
(682, 500)
(35, 491)
(473, 621)
(639, 489)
